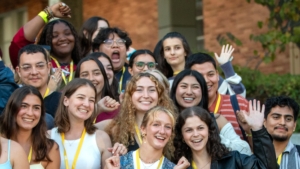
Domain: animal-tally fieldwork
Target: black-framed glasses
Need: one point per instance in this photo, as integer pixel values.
(141, 65)
(110, 42)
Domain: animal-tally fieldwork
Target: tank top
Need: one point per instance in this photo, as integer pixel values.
(89, 156)
(37, 166)
(7, 164)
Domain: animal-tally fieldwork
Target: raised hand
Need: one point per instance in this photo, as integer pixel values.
(55, 80)
(61, 10)
(255, 118)
(118, 149)
(112, 162)
(183, 163)
(226, 54)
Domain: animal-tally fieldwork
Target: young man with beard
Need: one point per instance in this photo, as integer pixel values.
(34, 69)
(115, 43)
(280, 121)
(218, 103)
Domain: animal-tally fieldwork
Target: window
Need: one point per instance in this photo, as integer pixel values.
(199, 25)
(10, 23)
(294, 59)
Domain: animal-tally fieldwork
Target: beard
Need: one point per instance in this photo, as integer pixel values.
(280, 138)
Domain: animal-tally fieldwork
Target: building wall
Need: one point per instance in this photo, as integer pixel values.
(33, 6)
(138, 18)
(240, 18)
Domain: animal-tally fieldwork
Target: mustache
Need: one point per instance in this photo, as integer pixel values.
(286, 129)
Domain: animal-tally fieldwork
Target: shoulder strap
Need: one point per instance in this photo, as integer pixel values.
(298, 148)
(8, 150)
(236, 107)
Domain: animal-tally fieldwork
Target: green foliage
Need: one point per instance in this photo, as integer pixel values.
(261, 86)
(283, 27)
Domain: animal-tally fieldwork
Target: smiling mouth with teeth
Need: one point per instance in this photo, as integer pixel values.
(28, 120)
(160, 138)
(188, 98)
(196, 141)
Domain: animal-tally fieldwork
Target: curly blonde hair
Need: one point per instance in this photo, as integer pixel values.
(121, 129)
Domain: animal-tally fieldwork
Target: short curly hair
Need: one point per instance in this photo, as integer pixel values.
(282, 101)
(214, 146)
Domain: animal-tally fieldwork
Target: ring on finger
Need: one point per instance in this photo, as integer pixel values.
(63, 4)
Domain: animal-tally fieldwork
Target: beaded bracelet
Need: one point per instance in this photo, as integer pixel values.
(49, 13)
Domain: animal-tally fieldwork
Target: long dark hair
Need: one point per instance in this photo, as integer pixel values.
(41, 145)
(166, 68)
(106, 91)
(46, 37)
(115, 84)
(90, 26)
(214, 146)
(62, 120)
(204, 100)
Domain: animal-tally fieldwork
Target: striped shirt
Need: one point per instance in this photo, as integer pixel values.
(290, 157)
(227, 111)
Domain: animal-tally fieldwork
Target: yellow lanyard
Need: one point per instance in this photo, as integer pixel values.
(62, 73)
(30, 154)
(137, 158)
(194, 166)
(46, 93)
(176, 73)
(279, 159)
(218, 104)
(77, 151)
(137, 130)
(121, 79)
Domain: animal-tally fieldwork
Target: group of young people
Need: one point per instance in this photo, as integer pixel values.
(84, 101)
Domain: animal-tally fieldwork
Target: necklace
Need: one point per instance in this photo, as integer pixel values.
(194, 166)
(70, 143)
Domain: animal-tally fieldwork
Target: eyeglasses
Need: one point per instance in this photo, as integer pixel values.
(110, 42)
(141, 65)
(38, 67)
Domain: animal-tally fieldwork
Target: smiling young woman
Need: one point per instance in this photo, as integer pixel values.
(157, 135)
(92, 69)
(23, 121)
(189, 89)
(197, 139)
(143, 92)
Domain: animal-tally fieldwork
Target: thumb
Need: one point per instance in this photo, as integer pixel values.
(110, 149)
(216, 56)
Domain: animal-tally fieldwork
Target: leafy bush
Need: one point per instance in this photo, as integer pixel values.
(262, 86)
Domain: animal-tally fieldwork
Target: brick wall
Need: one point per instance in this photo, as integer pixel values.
(138, 18)
(240, 18)
(33, 6)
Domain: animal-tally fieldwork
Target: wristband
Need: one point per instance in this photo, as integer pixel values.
(248, 135)
(44, 16)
